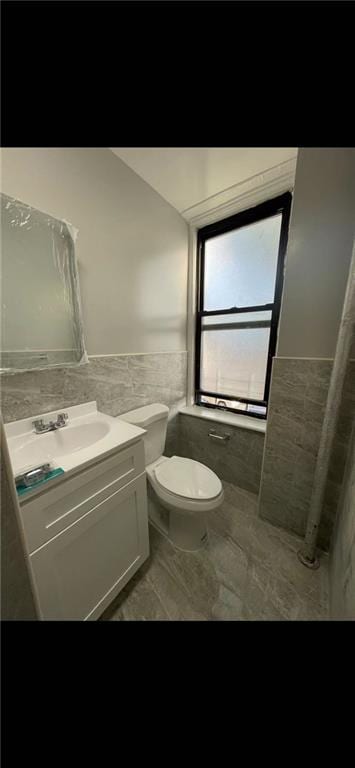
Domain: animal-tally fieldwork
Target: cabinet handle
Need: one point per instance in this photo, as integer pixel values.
(224, 437)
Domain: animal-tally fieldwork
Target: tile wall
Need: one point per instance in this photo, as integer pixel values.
(118, 384)
(299, 390)
(237, 460)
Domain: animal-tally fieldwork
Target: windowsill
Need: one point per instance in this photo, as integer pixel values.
(224, 417)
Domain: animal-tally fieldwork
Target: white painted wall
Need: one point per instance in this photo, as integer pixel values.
(186, 176)
(131, 249)
(319, 250)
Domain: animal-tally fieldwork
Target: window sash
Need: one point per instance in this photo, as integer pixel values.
(222, 396)
(229, 398)
(236, 310)
(265, 210)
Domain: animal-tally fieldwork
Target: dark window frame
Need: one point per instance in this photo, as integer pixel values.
(280, 204)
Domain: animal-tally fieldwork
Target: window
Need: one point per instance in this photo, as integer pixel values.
(240, 275)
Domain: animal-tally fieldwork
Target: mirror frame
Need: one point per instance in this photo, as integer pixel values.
(73, 273)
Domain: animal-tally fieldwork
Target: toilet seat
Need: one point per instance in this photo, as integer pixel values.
(181, 492)
(177, 502)
(187, 479)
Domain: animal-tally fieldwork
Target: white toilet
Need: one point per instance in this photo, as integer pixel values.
(181, 492)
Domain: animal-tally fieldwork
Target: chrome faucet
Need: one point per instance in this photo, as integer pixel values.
(40, 426)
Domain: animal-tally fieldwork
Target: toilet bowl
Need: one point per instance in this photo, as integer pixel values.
(188, 491)
(181, 491)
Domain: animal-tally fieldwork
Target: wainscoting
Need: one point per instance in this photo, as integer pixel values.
(237, 460)
(299, 389)
(284, 476)
(342, 558)
(118, 383)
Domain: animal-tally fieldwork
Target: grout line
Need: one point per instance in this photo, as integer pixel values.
(128, 354)
(149, 580)
(285, 357)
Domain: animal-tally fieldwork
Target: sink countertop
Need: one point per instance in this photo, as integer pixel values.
(88, 436)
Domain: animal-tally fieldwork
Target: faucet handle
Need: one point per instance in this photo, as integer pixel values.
(62, 417)
(38, 423)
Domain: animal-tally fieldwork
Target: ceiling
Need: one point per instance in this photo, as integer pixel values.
(187, 176)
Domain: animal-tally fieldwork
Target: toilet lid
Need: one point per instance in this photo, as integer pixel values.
(188, 478)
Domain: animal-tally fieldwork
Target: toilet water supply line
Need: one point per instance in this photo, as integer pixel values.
(307, 553)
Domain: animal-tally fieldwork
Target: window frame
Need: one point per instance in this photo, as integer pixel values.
(280, 204)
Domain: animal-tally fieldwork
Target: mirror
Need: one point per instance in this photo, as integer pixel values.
(41, 323)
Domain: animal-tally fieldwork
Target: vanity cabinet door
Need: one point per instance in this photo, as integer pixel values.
(55, 508)
(81, 570)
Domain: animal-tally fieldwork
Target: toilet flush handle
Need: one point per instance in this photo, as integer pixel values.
(224, 437)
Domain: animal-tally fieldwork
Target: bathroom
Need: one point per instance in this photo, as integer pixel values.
(178, 384)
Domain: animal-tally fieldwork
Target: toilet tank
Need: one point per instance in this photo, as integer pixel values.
(154, 419)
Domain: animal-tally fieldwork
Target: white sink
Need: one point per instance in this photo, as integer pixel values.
(87, 435)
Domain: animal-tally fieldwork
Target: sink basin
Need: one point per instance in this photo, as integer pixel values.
(88, 434)
(61, 442)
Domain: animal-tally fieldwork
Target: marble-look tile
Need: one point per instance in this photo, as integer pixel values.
(248, 571)
(172, 443)
(228, 606)
(26, 359)
(237, 461)
(352, 349)
(118, 383)
(342, 559)
(258, 604)
(165, 580)
(143, 604)
(298, 395)
(230, 561)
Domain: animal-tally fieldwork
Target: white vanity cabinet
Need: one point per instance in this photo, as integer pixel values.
(88, 535)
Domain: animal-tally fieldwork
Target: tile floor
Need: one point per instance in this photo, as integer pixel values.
(248, 571)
